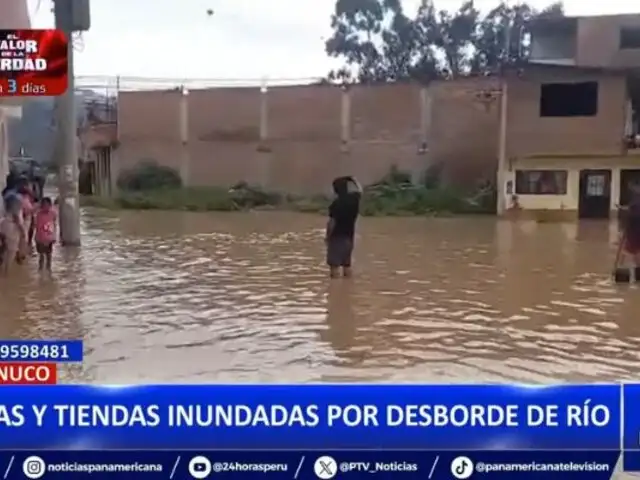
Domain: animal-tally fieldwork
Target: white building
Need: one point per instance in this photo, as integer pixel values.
(14, 14)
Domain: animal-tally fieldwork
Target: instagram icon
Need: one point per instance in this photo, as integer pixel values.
(34, 467)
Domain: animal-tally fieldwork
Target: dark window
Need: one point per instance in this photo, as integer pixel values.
(541, 182)
(629, 38)
(569, 99)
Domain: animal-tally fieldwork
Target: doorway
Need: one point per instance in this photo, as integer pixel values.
(595, 194)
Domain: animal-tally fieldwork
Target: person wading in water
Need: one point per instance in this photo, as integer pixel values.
(340, 232)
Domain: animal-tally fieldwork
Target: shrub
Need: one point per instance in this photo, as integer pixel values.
(393, 178)
(251, 196)
(432, 177)
(189, 199)
(149, 186)
(148, 175)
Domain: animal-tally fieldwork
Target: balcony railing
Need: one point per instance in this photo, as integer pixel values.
(545, 60)
(99, 112)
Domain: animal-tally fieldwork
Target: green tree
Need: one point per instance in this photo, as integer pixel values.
(379, 42)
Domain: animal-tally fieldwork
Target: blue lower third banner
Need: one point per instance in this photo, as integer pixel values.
(631, 433)
(172, 465)
(479, 417)
(631, 460)
(631, 428)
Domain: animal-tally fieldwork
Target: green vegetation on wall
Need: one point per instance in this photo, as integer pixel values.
(150, 186)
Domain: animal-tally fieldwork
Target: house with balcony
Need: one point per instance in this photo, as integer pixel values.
(14, 14)
(572, 136)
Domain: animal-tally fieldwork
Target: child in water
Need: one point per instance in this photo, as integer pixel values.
(340, 233)
(45, 231)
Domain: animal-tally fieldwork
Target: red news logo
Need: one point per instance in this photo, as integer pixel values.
(28, 374)
(33, 62)
(15, 55)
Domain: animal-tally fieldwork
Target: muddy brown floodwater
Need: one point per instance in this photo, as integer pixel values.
(181, 297)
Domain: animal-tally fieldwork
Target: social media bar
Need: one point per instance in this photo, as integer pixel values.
(463, 468)
(301, 465)
(34, 467)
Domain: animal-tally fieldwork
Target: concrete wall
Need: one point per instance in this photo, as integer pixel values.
(14, 14)
(598, 41)
(594, 42)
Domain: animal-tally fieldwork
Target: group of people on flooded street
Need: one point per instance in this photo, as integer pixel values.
(29, 220)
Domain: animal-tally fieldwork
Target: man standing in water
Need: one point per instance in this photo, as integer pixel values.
(340, 233)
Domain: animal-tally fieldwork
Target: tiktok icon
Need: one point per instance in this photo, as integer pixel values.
(462, 468)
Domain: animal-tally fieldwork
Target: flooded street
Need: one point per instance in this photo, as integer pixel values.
(180, 297)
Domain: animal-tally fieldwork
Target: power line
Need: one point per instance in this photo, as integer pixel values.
(105, 83)
(172, 80)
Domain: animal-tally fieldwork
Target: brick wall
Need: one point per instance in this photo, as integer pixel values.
(529, 134)
(303, 150)
(149, 116)
(464, 128)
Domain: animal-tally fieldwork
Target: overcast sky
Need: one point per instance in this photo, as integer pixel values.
(243, 39)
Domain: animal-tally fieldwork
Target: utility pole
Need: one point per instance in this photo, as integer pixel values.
(70, 16)
(502, 131)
